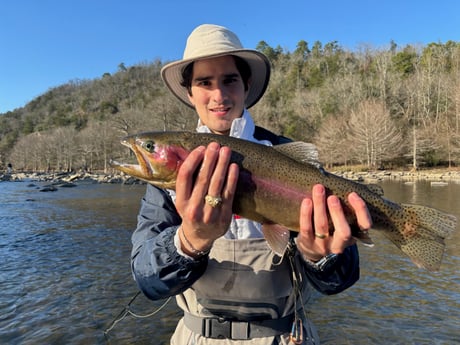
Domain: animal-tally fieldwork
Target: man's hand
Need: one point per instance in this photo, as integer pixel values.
(206, 171)
(314, 240)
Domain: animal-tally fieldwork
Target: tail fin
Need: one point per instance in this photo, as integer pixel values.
(424, 231)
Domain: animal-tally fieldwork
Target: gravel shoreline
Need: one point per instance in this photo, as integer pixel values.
(69, 178)
(435, 175)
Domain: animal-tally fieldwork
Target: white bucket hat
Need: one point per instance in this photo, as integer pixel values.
(208, 41)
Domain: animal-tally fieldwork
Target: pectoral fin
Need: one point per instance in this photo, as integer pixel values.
(277, 237)
(364, 237)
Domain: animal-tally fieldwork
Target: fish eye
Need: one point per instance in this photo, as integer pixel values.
(149, 145)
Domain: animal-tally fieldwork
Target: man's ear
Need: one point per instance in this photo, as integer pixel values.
(248, 87)
(190, 98)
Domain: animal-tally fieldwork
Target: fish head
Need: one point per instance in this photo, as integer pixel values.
(158, 161)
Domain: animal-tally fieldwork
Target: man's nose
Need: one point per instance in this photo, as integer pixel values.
(219, 94)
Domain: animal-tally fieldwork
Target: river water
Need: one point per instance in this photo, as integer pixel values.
(65, 275)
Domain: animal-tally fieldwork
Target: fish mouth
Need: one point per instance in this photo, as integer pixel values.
(142, 170)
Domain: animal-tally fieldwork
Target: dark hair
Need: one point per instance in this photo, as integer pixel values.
(241, 65)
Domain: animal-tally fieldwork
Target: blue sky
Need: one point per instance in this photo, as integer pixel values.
(46, 43)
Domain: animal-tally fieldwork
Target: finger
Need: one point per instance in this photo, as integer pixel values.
(229, 189)
(362, 213)
(219, 174)
(306, 239)
(231, 182)
(342, 232)
(306, 226)
(201, 186)
(185, 175)
(320, 210)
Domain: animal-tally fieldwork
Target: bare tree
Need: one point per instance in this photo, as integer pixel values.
(106, 141)
(333, 145)
(373, 134)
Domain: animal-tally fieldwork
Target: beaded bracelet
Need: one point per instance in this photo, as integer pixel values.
(190, 246)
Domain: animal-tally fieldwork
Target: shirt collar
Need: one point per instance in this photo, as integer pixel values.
(242, 127)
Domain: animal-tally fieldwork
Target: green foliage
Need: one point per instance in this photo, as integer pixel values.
(431, 158)
(302, 52)
(441, 56)
(404, 62)
(28, 125)
(271, 53)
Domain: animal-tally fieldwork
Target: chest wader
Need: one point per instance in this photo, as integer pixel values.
(247, 295)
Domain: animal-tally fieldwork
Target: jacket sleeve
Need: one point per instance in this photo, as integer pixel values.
(343, 274)
(159, 270)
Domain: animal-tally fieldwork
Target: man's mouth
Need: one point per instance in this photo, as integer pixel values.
(221, 110)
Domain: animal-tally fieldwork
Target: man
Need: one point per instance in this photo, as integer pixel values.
(189, 244)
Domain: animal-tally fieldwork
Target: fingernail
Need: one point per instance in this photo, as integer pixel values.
(319, 189)
(333, 200)
(214, 146)
(353, 195)
(307, 202)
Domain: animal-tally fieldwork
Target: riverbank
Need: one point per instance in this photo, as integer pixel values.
(433, 175)
(69, 178)
(64, 178)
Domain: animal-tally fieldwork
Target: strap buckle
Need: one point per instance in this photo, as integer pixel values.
(218, 328)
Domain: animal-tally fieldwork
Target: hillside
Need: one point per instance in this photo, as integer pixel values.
(377, 107)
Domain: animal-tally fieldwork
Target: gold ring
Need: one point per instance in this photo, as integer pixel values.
(213, 201)
(321, 236)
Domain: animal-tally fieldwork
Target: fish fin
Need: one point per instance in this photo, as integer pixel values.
(300, 151)
(364, 237)
(375, 188)
(422, 234)
(277, 237)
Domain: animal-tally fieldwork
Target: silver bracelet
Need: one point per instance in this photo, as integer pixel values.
(190, 246)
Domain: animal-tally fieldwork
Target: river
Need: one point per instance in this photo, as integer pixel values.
(65, 274)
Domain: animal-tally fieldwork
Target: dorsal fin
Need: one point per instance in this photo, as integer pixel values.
(300, 151)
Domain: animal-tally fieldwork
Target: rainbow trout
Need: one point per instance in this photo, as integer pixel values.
(274, 180)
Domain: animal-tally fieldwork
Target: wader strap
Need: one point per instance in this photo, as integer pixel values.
(218, 328)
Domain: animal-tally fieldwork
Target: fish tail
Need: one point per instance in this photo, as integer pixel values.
(423, 231)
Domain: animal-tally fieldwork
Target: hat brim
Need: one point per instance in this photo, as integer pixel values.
(260, 75)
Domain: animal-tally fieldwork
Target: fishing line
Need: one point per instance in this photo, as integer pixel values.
(297, 336)
(127, 311)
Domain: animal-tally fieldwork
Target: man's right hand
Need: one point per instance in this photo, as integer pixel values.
(206, 171)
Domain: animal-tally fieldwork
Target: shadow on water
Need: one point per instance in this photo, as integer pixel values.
(66, 275)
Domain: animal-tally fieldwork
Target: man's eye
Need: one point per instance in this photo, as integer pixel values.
(204, 83)
(230, 80)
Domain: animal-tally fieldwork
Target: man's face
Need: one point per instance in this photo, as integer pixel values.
(217, 92)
